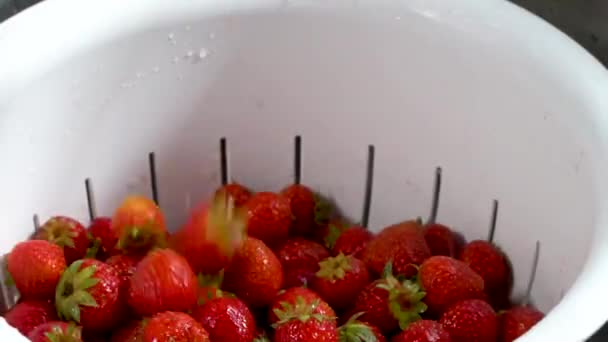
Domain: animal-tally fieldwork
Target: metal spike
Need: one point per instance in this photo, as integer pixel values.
(369, 183)
(436, 193)
(297, 160)
(527, 297)
(153, 182)
(493, 219)
(88, 185)
(223, 161)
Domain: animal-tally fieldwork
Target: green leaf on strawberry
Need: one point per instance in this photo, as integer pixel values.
(355, 331)
(301, 311)
(57, 334)
(71, 292)
(323, 210)
(334, 267)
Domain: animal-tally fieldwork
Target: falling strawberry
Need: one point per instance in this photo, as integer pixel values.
(402, 244)
(226, 319)
(101, 230)
(172, 326)
(301, 323)
(441, 240)
(255, 274)
(27, 315)
(303, 202)
(56, 331)
(352, 241)
(213, 232)
(423, 331)
(470, 320)
(236, 191)
(356, 331)
(68, 234)
(298, 297)
(35, 267)
(300, 260)
(516, 321)
(139, 225)
(132, 332)
(340, 279)
(89, 293)
(163, 281)
(327, 234)
(447, 281)
(269, 218)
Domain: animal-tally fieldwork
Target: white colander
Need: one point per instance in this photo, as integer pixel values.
(507, 106)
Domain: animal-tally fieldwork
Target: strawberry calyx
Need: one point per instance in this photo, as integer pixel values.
(59, 232)
(322, 210)
(72, 333)
(262, 338)
(206, 280)
(142, 237)
(71, 292)
(334, 268)
(300, 310)
(93, 249)
(334, 230)
(356, 331)
(226, 224)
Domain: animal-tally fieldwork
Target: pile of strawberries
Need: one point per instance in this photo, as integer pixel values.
(259, 267)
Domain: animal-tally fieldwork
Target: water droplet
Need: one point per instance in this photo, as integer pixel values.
(140, 75)
(211, 35)
(175, 60)
(187, 28)
(171, 36)
(189, 54)
(398, 18)
(203, 53)
(180, 77)
(156, 69)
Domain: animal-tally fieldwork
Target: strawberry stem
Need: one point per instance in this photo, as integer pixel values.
(71, 292)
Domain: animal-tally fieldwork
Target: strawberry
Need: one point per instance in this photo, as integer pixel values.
(302, 202)
(470, 320)
(211, 235)
(423, 331)
(516, 321)
(35, 267)
(296, 297)
(68, 234)
(340, 279)
(355, 331)
(89, 293)
(492, 265)
(139, 225)
(269, 218)
(163, 281)
(172, 326)
(226, 319)
(209, 288)
(441, 240)
(255, 274)
(300, 260)
(124, 265)
(301, 323)
(389, 303)
(56, 331)
(239, 193)
(352, 241)
(101, 230)
(447, 281)
(28, 314)
(132, 332)
(401, 244)
(327, 234)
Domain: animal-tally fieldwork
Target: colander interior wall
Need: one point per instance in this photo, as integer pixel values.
(456, 86)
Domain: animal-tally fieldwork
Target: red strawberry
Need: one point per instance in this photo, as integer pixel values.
(28, 314)
(389, 304)
(172, 326)
(402, 244)
(269, 218)
(239, 193)
(255, 274)
(211, 235)
(300, 260)
(352, 241)
(441, 240)
(226, 319)
(470, 320)
(355, 331)
(423, 331)
(163, 281)
(132, 332)
(101, 229)
(89, 293)
(492, 265)
(56, 331)
(301, 323)
(124, 265)
(298, 297)
(516, 321)
(68, 234)
(327, 234)
(209, 288)
(35, 267)
(340, 279)
(303, 203)
(139, 225)
(447, 281)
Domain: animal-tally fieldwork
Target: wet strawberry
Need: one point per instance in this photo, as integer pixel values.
(269, 218)
(132, 332)
(171, 326)
(163, 281)
(35, 267)
(470, 320)
(300, 260)
(352, 241)
(516, 321)
(226, 319)
(255, 274)
(89, 293)
(68, 234)
(209, 287)
(298, 297)
(441, 240)
(302, 323)
(239, 193)
(139, 225)
(124, 265)
(302, 202)
(402, 244)
(447, 281)
(340, 279)
(423, 331)
(28, 314)
(101, 230)
(356, 331)
(56, 331)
